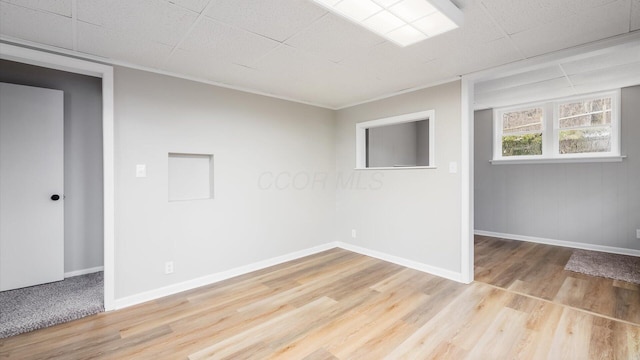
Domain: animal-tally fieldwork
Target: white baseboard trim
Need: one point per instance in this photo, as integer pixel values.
(224, 275)
(433, 270)
(214, 278)
(83, 271)
(570, 244)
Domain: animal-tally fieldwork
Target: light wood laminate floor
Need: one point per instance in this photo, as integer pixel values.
(538, 270)
(338, 305)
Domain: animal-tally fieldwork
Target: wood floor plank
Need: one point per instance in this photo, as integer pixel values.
(542, 275)
(231, 345)
(572, 336)
(342, 305)
(397, 305)
(441, 328)
(383, 342)
(501, 336)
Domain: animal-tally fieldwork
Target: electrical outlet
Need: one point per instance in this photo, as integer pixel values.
(353, 233)
(638, 233)
(141, 170)
(168, 267)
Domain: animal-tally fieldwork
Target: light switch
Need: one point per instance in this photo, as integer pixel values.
(141, 170)
(453, 167)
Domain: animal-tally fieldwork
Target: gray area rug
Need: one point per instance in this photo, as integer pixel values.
(35, 307)
(611, 266)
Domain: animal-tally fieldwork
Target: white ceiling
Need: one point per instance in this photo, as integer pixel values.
(605, 69)
(297, 50)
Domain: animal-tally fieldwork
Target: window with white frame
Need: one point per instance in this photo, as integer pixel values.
(569, 128)
(397, 142)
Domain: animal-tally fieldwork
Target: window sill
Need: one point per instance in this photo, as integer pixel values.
(397, 168)
(559, 160)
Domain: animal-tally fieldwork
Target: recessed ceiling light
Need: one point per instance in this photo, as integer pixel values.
(383, 22)
(410, 10)
(406, 35)
(435, 24)
(357, 9)
(403, 22)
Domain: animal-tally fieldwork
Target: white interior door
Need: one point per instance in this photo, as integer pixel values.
(31, 186)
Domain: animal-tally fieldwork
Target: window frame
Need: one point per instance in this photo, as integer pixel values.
(498, 130)
(551, 131)
(361, 143)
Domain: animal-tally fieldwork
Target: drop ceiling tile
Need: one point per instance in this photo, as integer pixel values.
(32, 25)
(612, 77)
(193, 5)
(275, 19)
(475, 57)
(409, 80)
(516, 16)
(397, 70)
(60, 7)
(296, 73)
(297, 64)
(386, 58)
(214, 39)
(520, 79)
(543, 90)
(210, 68)
(100, 41)
(591, 25)
(602, 62)
(334, 38)
(156, 20)
(635, 15)
(477, 27)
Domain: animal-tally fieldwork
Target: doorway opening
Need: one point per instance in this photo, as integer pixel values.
(52, 198)
(103, 163)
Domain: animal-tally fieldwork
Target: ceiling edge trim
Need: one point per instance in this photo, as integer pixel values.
(405, 91)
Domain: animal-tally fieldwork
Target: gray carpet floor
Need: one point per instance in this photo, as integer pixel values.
(611, 266)
(35, 307)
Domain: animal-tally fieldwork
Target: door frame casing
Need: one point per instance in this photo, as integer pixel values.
(105, 72)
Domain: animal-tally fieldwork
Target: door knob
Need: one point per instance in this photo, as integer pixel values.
(55, 197)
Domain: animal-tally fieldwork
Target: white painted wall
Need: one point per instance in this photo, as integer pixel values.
(587, 203)
(412, 214)
(270, 159)
(83, 240)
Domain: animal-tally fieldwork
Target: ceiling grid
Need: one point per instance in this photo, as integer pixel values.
(298, 50)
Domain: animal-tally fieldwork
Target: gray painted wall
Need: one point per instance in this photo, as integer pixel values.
(393, 145)
(272, 159)
(410, 213)
(405, 144)
(83, 175)
(592, 203)
(422, 133)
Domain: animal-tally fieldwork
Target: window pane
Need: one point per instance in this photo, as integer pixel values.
(585, 140)
(522, 121)
(518, 145)
(585, 107)
(597, 119)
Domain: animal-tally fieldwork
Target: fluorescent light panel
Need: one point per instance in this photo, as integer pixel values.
(403, 22)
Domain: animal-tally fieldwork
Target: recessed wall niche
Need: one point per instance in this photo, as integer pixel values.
(190, 176)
